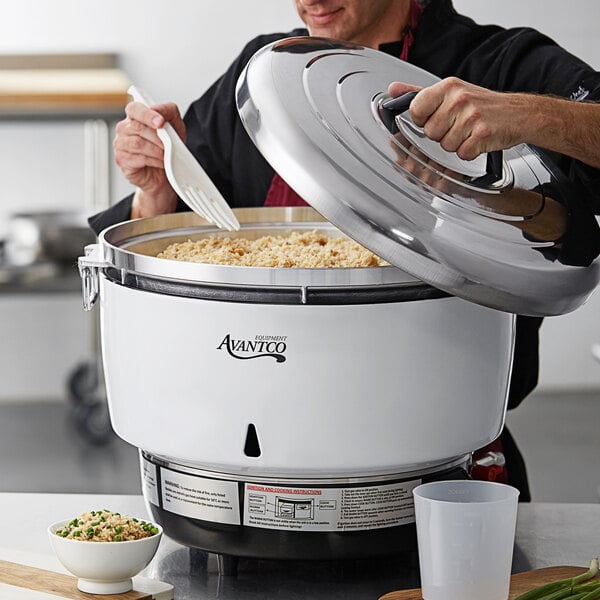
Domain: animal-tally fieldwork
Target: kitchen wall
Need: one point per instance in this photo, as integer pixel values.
(175, 50)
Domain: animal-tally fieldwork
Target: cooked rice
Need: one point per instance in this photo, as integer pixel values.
(106, 526)
(302, 250)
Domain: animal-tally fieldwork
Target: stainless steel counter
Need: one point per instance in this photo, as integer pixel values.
(547, 534)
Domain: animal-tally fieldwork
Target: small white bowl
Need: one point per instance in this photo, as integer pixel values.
(103, 567)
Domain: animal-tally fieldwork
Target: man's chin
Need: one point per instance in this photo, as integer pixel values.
(327, 32)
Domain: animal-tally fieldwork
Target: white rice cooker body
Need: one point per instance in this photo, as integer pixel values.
(330, 391)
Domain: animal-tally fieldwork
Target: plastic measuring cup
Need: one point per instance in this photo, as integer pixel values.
(465, 533)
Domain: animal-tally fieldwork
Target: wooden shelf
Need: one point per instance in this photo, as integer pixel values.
(88, 88)
(51, 91)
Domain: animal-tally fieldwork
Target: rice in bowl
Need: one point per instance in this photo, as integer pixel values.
(106, 526)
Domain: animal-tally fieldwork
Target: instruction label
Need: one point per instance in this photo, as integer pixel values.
(200, 498)
(149, 481)
(329, 509)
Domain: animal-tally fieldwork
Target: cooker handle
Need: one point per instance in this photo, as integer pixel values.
(89, 268)
(396, 106)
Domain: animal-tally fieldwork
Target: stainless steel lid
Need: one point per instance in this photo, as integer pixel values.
(494, 231)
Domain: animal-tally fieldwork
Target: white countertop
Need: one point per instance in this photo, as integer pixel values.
(547, 535)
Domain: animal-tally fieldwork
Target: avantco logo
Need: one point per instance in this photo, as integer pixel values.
(261, 346)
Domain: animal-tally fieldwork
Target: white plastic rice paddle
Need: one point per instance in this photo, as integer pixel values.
(187, 177)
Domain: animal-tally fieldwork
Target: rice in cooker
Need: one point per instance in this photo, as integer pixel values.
(299, 249)
(106, 526)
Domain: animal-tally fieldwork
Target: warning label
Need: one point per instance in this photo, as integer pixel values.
(200, 498)
(329, 509)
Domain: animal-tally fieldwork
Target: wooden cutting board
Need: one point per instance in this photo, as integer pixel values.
(58, 584)
(519, 583)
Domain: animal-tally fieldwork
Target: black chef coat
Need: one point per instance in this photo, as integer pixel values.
(445, 44)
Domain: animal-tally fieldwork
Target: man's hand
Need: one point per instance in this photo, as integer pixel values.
(465, 118)
(139, 154)
(470, 120)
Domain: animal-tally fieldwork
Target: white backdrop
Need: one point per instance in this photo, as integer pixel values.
(175, 50)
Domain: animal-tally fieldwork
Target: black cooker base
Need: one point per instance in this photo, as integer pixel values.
(229, 566)
(252, 542)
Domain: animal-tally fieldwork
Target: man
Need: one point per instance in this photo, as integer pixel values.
(499, 88)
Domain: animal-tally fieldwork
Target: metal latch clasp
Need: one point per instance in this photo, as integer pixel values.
(89, 269)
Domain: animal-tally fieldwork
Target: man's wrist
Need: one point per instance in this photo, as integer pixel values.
(151, 205)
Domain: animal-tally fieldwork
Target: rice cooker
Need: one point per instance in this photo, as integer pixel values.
(289, 413)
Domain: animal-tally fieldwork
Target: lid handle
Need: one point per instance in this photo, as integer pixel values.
(399, 104)
(493, 169)
(396, 106)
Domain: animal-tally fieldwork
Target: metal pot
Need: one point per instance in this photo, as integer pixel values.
(56, 237)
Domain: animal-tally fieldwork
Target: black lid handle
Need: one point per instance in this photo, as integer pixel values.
(396, 106)
(493, 169)
(399, 104)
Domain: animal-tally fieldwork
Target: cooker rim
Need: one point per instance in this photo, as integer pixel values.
(130, 248)
(320, 479)
(281, 295)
